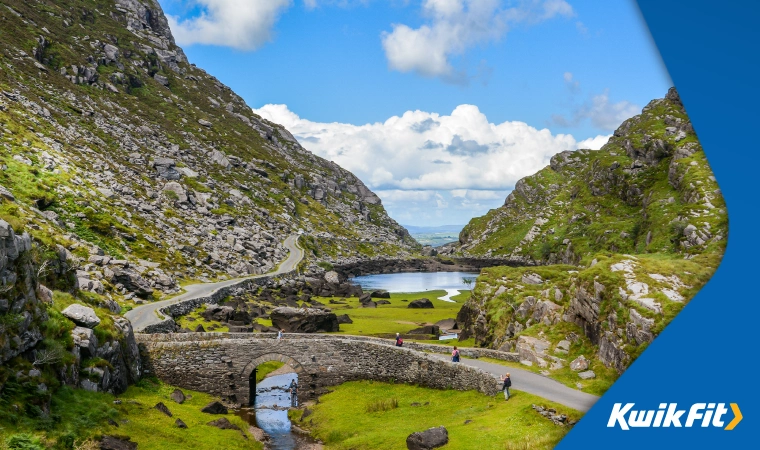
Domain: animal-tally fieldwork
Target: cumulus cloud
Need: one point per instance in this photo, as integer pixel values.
(241, 24)
(422, 162)
(456, 25)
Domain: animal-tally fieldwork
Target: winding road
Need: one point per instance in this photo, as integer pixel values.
(522, 380)
(533, 383)
(148, 314)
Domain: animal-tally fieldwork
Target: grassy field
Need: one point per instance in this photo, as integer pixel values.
(387, 320)
(77, 415)
(361, 415)
(264, 369)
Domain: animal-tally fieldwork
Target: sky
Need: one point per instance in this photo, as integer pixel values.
(439, 106)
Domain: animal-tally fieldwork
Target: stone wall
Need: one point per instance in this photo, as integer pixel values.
(221, 363)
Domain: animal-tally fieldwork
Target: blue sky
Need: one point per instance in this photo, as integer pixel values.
(440, 106)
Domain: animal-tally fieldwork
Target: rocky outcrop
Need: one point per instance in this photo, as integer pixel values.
(304, 320)
(198, 189)
(20, 310)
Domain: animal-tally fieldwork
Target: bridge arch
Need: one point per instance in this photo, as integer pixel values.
(249, 370)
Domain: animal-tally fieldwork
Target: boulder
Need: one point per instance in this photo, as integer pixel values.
(588, 374)
(85, 339)
(421, 303)
(380, 294)
(131, 280)
(166, 169)
(6, 194)
(161, 407)
(369, 305)
(178, 192)
(332, 277)
(579, 363)
(532, 278)
(428, 439)
(224, 424)
(180, 424)
(214, 408)
(178, 396)
(304, 320)
(218, 313)
(343, 318)
(117, 443)
(82, 315)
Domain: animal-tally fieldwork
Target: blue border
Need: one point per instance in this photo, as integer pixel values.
(711, 50)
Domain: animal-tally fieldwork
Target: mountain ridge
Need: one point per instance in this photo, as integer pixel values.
(119, 149)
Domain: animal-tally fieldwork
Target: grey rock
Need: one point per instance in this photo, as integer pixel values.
(117, 443)
(428, 439)
(82, 315)
(214, 408)
(178, 396)
(180, 424)
(304, 320)
(205, 123)
(579, 363)
(85, 339)
(587, 375)
(161, 407)
(421, 303)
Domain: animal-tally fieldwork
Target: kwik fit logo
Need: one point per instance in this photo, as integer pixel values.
(669, 415)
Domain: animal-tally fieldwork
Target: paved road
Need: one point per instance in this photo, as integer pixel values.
(145, 315)
(526, 381)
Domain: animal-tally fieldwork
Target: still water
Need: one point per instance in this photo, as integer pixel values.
(416, 281)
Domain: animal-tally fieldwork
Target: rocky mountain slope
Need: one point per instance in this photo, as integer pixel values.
(609, 245)
(147, 169)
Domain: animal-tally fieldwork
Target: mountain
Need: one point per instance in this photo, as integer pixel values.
(606, 246)
(117, 149)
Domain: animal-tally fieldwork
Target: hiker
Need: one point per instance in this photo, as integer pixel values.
(455, 355)
(293, 393)
(399, 341)
(279, 334)
(507, 382)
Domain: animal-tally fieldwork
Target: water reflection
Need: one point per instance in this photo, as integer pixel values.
(416, 281)
(270, 411)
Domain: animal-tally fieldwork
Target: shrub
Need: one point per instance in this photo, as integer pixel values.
(24, 441)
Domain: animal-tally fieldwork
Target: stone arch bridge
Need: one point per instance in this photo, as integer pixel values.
(223, 364)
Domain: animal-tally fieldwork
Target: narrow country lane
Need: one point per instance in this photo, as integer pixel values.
(533, 383)
(146, 315)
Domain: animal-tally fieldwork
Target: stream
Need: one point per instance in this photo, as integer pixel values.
(270, 413)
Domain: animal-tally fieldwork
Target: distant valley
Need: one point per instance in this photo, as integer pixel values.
(435, 236)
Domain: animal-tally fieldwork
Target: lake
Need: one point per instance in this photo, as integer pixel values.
(451, 282)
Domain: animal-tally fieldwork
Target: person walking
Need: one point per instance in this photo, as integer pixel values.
(279, 334)
(293, 394)
(455, 354)
(399, 341)
(506, 383)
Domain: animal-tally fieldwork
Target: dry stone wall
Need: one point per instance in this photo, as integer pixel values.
(221, 364)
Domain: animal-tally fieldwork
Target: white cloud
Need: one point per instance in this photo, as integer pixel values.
(455, 26)
(241, 24)
(428, 151)
(430, 168)
(594, 143)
